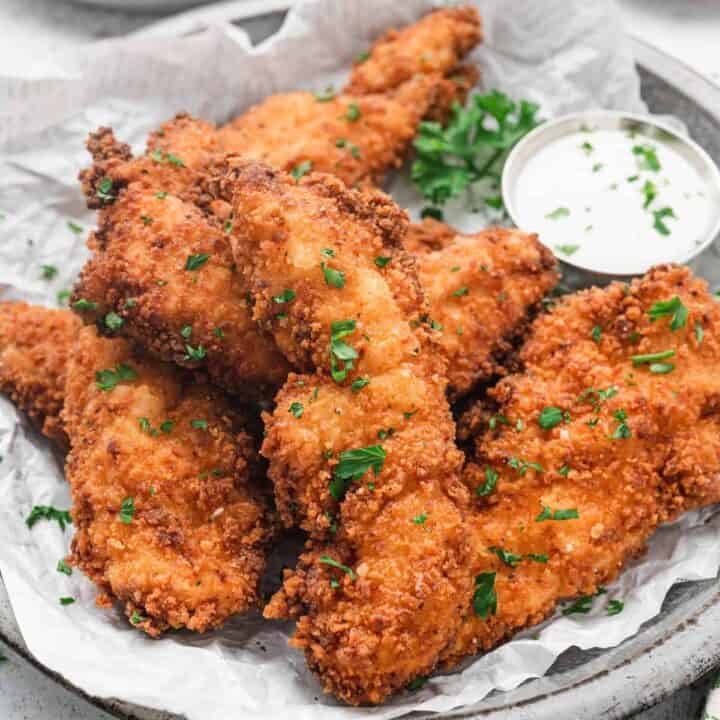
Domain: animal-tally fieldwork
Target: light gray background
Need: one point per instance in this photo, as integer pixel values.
(33, 29)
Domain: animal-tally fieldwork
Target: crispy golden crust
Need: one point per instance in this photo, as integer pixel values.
(635, 449)
(193, 551)
(355, 138)
(35, 345)
(147, 236)
(481, 289)
(369, 631)
(434, 45)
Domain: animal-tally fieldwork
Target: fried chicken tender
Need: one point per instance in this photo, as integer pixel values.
(361, 452)
(34, 350)
(168, 520)
(433, 46)
(356, 138)
(163, 271)
(606, 450)
(482, 288)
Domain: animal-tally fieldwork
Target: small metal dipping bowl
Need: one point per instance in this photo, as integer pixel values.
(612, 120)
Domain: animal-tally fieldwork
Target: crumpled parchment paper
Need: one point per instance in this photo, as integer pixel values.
(564, 54)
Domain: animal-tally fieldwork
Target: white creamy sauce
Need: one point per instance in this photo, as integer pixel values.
(584, 194)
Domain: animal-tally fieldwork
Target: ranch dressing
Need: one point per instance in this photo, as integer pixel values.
(614, 201)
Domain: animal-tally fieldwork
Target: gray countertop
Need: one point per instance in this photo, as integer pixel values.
(33, 29)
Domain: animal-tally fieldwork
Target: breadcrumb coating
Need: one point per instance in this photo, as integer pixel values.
(35, 344)
(167, 518)
(381, 618)
(615, 446)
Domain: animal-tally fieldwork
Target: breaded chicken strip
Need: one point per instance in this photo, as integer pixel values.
(612, 429)
(361, 452)
(481, 288)
(356, 138)
(162, 272)
(434, 45)
(34, 351)
(168, 521)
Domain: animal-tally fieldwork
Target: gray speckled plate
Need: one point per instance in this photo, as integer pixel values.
(673, 649)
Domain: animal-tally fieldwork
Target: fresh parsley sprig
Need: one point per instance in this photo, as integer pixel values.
(472, 147)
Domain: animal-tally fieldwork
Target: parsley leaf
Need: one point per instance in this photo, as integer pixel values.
(491, 478)
(127, 510)
(381, 261)
(195, 262)
(353, 112)
(651, 357)
(658, 223)
(82, 305)
(473, 146)
(301, 169)
(341, 352)
(509, 558)
(558, 213)
(567, 249)
(359, 384)
(286, 296)
(650, 191)
(615, 607)
(113, 321)
(647, 158)
(352, 465)
(485, 598)
(550, 417)
(296, 409)
(48, 272)
(63, 567)
(335, 278)
(334, 563)
(674, 309)
(549, 514)
(48, 512)
(107, 380)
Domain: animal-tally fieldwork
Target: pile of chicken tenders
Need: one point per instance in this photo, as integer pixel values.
(460, 455)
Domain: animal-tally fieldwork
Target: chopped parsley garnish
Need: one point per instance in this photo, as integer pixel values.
(633, 178)
(622, 431)
(495, 419)
(646, 157)
(699, 332)
(127, 510)
(417, 683)
(352, 465)
(420, 519)
(587, 148)
(485, 598)
(550, 417)
(564, 471)
(327, 95)
(107, 380)
(658, 216)
(537, 557)
(674, 309)
(651, 357)
(194, 354)
(382, 434)
(353, 112)
(161, 195)
(597, 167)
(82, 305)
(218, 333)
(335, 278)
(581, 606)
(63, 296)
(341, 352)
(495, 202)
(136, 618)
(509, 558)
(301, 169)
(63, 567)
(146, 219)
(104, 190)
(650, 191)
(227, 227)
(661, 368)
(567, 249)
(432, 212)
(558, 213)
(460, 292)
(113, 321)
(615, 607)
(146, 427)
(195, 262)
(67, 600)
(522, 466)
(381, 261)
(473, 145)
(549, 514)
(296, 409)
(286, 296)
(166, 427)
(596, 334)
(48, 272)
(157, 156)
(327, 252)
(361, 58)
(186, 332)
(359, 384)
(48, 512)
(334, 563)
(74, 227)
(199, 424)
